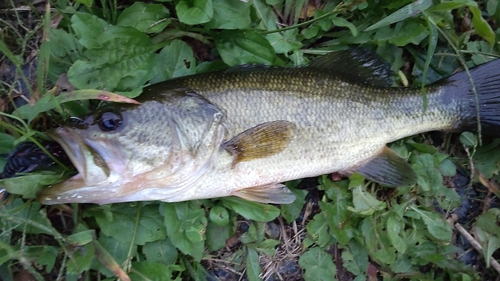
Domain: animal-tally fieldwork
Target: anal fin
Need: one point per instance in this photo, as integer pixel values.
(388, 169)
(275, 193)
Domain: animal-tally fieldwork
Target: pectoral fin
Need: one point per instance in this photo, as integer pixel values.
(388, 169)
(275, 193)
(261, 141)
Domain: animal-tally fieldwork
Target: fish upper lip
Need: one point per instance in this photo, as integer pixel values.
(75, 146)
(71, 144)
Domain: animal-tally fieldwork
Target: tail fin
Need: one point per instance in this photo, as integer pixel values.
(485, 106)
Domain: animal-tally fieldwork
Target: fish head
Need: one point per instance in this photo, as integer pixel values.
(120, 151)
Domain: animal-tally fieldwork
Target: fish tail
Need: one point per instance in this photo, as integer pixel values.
(482, 106)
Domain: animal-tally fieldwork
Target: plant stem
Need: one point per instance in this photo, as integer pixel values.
(331, 13)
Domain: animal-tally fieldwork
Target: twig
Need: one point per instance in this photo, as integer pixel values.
(476, 245)
(285, 236)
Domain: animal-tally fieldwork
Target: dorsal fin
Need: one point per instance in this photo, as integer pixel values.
(356, 65)
(250, 67)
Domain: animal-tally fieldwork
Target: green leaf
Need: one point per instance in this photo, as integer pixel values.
(479, 50)
(82, 238)
(255, 233)
(154, 271)
(219, 216)
(318, 265)
(339, 217)
(436, 225)
(6, 143)
(251, 210)
(489, 242)
(211, 66)
(291, 212)
(267, 247)
(365, 203)
(185, 223)
(237, 47)
(491, 7)
(174, 60)
(447, 168)
(26, 217)
(487, 230)
(310, 32)
(428, 176)
(422, 147)
(317, 229)
(468, 139)
(338, 21)
(115, 249)
(286, 42)
(356, 180)
(44, 255)
(65, 50)
(229, 14)
(265, 15)
(217, 235)
(488, 221)
(481, 26)
(162, 251)
(149, 18)
(407, 11)
(253, 267)
(409, 32)
(431, 49)
(87, 3)
(355, 258)
(124, 61)
(273, 2)
(119, 222)
(81, 259)
(88, 28)
(28, 185)
(194, 11)
(402, 264)
(395, 226)
(376, 241)
(487, 159)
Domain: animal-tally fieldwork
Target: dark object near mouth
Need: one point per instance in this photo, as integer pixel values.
(28, 157)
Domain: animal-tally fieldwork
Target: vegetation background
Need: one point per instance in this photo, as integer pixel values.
(55, 54)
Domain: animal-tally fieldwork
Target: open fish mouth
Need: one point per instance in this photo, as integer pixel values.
(89, 163)
(92, 169)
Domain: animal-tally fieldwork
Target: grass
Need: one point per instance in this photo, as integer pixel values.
(345, 229)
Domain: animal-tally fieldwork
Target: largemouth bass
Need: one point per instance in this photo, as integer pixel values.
(243, 131)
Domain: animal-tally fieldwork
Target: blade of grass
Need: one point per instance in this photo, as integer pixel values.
(17, 63)
(127, 264)
(44, 52)
(105, 258)
(335, 11)
(433, 39)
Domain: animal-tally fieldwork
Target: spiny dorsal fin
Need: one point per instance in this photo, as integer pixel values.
(388, 169)
(261, 141)
(275, 193)
(250, 67)
(356, 65)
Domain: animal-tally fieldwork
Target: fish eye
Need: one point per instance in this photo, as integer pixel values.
(109, 121)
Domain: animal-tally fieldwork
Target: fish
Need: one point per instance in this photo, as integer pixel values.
(246, 130)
